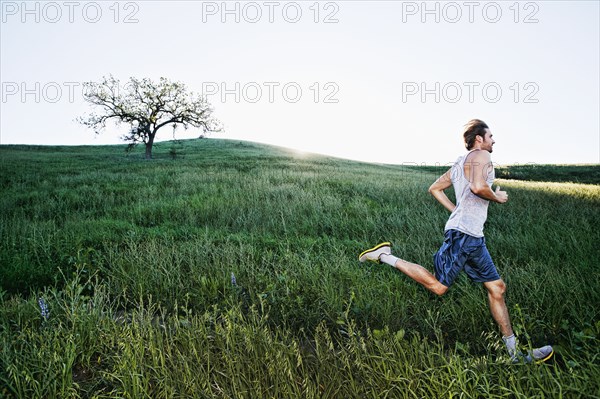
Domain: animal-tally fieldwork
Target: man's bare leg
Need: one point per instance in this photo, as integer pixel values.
(420, 275)
(496, 290)
(382, 253)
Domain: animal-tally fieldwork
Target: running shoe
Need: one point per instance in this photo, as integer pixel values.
(374, 253)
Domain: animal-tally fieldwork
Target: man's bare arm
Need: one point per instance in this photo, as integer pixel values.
(480, 166)
(438, 187)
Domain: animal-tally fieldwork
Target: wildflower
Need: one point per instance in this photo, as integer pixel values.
(233, 280)
(44, 308)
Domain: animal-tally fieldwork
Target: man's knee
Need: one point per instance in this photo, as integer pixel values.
(496, 288)
(440, 289)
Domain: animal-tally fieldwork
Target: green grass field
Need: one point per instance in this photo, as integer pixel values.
(135, 261)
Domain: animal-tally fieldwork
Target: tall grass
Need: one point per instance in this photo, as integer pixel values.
(135, 260)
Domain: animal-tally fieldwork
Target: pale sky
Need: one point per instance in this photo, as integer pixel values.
(378, 81)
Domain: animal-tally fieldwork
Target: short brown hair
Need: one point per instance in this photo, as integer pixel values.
(474, 128)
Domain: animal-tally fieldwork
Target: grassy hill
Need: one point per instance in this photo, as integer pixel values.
(228, 269)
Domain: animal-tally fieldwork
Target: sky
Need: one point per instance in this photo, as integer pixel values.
(376, 81)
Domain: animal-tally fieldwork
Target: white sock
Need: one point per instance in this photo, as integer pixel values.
(511, 344)
(388, 259)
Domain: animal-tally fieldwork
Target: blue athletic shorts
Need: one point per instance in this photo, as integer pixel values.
(462, 251)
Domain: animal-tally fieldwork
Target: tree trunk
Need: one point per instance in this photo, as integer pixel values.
(149, 147)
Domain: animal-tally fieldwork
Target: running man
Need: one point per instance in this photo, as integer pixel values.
(464, 244)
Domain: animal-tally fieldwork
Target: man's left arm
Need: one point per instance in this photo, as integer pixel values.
(482, 165)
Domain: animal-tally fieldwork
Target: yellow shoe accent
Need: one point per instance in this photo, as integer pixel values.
(375, 248)
(538, 361)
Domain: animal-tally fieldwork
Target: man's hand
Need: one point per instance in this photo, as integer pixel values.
(501, 196)
(478, 168)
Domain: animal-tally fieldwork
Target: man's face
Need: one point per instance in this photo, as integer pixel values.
(488, 141)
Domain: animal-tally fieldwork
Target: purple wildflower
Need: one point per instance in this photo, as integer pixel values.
(44, 308)
(233, 280)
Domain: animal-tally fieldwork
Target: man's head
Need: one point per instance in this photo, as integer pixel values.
(477, 135)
